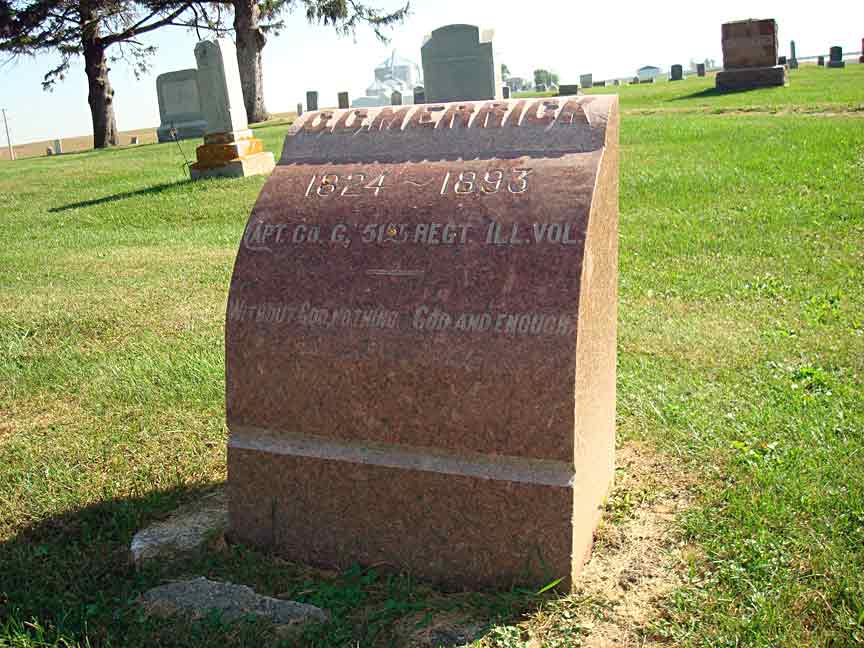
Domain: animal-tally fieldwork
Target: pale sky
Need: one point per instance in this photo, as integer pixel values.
(571, 38)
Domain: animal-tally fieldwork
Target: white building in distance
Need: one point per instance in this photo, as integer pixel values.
(394, 73)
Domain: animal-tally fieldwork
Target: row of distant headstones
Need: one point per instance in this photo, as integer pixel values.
(676, 74)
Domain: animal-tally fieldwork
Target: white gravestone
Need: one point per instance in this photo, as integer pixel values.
(230, 149)
(219, 84)
(179, 105)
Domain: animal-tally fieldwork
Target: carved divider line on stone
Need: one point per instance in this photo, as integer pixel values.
(503, 467)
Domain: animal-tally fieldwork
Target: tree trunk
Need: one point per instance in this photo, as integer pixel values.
(250, 42)
(101, 94)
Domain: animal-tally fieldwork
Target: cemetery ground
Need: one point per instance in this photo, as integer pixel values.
(738, 513)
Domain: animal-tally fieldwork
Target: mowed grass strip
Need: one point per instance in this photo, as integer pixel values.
(741, 331)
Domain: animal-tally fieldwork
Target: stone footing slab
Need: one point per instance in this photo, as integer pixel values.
(748, 78)
(188, 529)
(198, 597)
(256, 164)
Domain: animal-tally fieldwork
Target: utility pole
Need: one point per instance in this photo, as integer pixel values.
(8, 139)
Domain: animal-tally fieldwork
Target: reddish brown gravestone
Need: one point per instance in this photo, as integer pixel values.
(420, 340)
(750, 55)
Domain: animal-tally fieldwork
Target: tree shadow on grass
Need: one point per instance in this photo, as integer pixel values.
(69, 579)
(147, 191)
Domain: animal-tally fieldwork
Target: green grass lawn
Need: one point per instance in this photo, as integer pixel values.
(741, 356)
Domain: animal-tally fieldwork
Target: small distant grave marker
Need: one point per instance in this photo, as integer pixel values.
(676, 73)
(700, 69)
(311, 100)
(420, 340)
(459, 65)
(793, 56)
(835, 59)
(342, 98)
(586, 80)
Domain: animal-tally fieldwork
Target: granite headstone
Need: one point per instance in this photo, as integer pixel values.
(230, 149)
(835, 57)
(312, 100)
(420, 341)
(750, 56)
(179, 106)
(459, 64)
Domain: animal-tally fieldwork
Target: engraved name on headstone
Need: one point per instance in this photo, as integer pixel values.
(425, 296)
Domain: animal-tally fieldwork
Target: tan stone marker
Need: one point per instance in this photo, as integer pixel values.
(230, 149)
(420, 340)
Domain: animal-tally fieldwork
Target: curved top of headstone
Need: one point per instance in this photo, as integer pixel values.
(544, 127)
(456, 39)
(177, 75)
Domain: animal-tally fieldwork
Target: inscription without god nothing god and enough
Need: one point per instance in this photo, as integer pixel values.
(420, 340)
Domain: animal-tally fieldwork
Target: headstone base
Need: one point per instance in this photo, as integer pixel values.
(748, 78)
(257, 164)
(232, 155)
(185, 130)
(467, 523)
(793, 64)
(836, 64)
